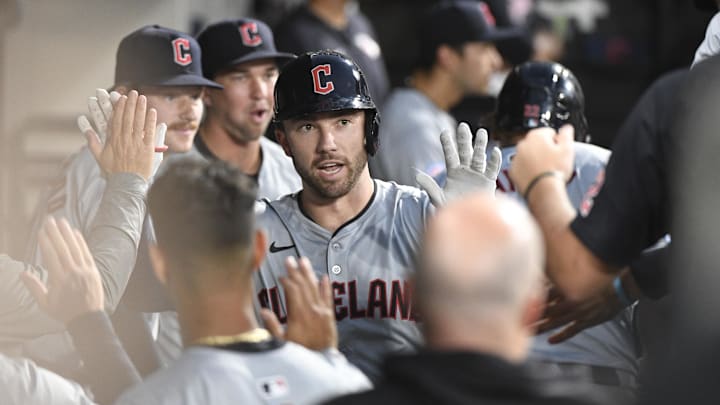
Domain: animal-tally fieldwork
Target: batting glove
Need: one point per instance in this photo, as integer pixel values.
(468, 169)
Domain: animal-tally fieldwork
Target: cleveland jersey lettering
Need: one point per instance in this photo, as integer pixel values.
(385, 299)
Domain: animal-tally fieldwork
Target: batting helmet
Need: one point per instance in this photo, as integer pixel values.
(325, 81)
(541, 94)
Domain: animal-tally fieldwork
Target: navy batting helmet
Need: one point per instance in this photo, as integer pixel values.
(541, 94)
(325, 81)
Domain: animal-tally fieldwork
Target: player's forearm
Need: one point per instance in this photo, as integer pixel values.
(569, 264)
(108, 369)
(115, 233)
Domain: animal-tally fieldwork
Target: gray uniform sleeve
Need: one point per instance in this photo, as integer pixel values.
(115, 234)
(24, 383)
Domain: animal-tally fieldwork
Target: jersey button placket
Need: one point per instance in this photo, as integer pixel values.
(334, 260)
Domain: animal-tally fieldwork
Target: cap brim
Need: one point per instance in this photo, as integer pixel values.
(280, 57)
(188, 80)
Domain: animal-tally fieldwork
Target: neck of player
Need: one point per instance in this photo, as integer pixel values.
(332, 213)
(437, 87)
(222, 312)
(245, 156)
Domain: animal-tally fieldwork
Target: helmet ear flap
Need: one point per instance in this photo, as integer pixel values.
(372, 128)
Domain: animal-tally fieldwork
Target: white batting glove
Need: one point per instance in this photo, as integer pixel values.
(100, 109)
(468, 171)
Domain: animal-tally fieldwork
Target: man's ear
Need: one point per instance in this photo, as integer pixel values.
(447, 57)
(159, 264)
(259, 249)
(282, 139)
(207, 99)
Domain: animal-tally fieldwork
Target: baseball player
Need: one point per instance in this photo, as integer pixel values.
(165, 65)
(207, 251)
(241, 55)
(544, 94)
(362, 233)
(457, 58)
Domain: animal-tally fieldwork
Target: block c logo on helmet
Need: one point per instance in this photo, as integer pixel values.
(318, 85)
(181, 51)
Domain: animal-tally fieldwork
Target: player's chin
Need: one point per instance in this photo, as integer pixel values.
(179, 144)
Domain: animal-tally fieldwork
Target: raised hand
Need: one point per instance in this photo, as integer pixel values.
(311, 314)
(468, 170)
(73, 285)
(100, 108)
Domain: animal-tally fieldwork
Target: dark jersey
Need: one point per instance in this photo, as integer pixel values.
(303, 31)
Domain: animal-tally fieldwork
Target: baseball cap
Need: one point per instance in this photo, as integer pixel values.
(159, 56)
(231, 42)
(457, 22)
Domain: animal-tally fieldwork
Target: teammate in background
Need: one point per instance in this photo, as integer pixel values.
(362, 233)
(241, 55)
(338, 25)
(164, 65)
(479, 287)
(207, 251)
(457, 57)
(545, 94)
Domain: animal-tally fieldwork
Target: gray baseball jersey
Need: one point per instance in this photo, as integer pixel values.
(277, 176)
(285, 374)
(610, 344)
(410, 138)
(369, 261)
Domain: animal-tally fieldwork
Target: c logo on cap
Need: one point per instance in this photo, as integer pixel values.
(318, 86)
(249, 34)
(181, 51)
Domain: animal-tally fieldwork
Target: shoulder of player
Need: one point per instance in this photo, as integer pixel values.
(389, 192)
(330, 362)
(586, 153)
(274, 155)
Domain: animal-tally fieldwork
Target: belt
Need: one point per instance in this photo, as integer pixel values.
(596, 374)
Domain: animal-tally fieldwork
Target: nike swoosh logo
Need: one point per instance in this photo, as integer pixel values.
(275, 249)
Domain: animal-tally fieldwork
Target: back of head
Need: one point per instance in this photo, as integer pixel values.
(540, 94)
(325, 81)
(159, 56)
(203, 212)
(482, 260)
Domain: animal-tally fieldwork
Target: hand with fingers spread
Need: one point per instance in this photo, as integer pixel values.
(130, 140)
(73, 285)
(101, 108)
(468, 170)
(311, 314)
(577, 316)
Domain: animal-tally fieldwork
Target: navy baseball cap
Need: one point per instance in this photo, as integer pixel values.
(232, 42)
(159, 56)
(457, 22)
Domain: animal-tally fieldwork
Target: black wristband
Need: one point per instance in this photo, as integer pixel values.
(537, 179)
